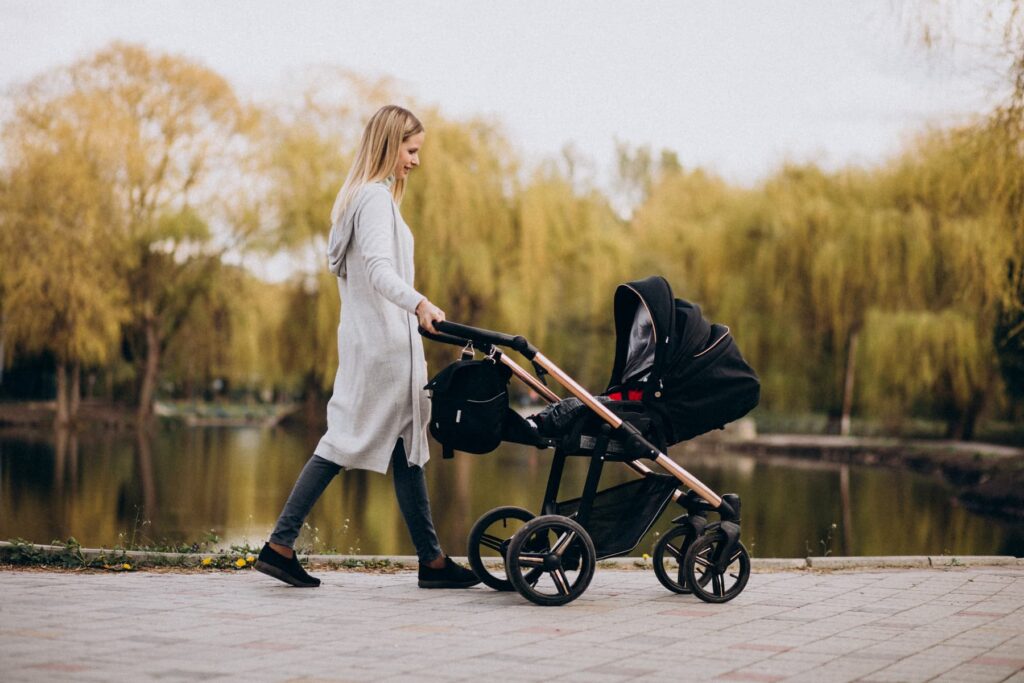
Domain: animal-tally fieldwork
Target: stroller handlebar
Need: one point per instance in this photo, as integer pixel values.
(457, 334)
(443, 338)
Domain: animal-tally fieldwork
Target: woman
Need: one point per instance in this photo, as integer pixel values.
(378, 413)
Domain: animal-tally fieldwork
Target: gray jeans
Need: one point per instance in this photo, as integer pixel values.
(410, 489)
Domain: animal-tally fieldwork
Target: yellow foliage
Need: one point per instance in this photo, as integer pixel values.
(121, 188)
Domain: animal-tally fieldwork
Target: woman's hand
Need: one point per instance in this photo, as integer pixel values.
(429, 314)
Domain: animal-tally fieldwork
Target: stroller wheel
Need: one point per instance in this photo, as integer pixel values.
(489, 538)
(551, 560)
(669, 552)
(711, 579)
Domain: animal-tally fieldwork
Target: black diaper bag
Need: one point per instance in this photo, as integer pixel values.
(469, 405)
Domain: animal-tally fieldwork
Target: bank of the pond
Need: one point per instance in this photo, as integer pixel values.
(19, 554)
(110, 415)
(987, 478)
(40, 415)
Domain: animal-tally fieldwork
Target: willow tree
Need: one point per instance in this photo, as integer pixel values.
(59, 224)
(731, 251)
(230, 334)
(302, 157)
(457, 205)
(958, 258)
(993, 34)
(165, 129)
(559, 276)
(804, 264)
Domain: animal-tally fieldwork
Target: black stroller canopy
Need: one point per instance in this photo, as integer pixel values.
(698, 380)
(679, 328)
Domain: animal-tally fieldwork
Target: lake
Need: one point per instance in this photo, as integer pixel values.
(182, 485)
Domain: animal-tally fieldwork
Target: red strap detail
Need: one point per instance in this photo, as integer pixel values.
(631, 395)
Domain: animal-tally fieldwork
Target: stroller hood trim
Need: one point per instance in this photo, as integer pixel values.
(655, 293)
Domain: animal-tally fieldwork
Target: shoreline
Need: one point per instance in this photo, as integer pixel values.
(94, 414)
(986, 478)
(145, 559)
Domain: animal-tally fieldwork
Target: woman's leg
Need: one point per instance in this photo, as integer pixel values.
(277, 558)
(436, 569)
(411, 491)
(312, 481)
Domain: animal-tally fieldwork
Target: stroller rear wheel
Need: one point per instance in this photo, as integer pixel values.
(490, 537)
(551, 560)
(669, 552)
(709, 575)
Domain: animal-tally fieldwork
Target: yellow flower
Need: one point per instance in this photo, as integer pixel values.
(250, 559)
(207, 561)
(646, 557)
(239, 563)
(126, 566)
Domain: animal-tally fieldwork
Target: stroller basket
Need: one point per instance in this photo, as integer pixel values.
(622, 514)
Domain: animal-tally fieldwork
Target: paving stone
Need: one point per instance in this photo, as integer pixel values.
(964, 623)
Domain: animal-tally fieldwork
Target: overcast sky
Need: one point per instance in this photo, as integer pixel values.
(736, 87)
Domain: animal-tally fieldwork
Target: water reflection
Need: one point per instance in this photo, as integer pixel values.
(178, 485)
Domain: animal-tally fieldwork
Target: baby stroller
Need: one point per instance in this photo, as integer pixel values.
(674, 376)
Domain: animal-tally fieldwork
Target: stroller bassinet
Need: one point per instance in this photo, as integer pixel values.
(674, 376)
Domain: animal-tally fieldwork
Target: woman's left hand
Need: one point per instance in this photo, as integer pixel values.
(429, 314)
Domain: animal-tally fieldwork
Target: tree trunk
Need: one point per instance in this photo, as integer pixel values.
(844, 501)
(61, 418)
(75, 396)
(3, 338)
(961, 425)
(312, 406)
(151, 368)
(146, 472)
(851, 359)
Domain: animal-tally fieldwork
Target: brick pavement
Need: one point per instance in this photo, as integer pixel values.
(957, 624)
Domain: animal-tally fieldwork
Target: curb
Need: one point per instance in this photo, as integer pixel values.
(410, 561)
(911, 561)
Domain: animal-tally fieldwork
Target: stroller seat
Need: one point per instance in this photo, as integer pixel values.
(575, 428)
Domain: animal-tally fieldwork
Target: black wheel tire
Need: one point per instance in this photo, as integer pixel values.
(551, 560)
(483, 538)
(699, 568)
(672, 547)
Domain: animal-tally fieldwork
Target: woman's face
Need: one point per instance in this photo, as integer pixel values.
(409, 155)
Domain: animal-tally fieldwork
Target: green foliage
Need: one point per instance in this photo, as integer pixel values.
(56, 220)
(68, 555)
(140, 193)
(924, 362)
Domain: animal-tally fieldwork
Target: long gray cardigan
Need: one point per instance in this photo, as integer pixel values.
(378, 391)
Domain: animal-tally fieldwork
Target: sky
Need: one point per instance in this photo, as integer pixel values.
(737, 88)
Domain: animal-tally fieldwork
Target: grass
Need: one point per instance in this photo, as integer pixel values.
(70, 555)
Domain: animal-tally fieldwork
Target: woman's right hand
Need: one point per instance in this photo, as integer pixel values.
(429, 314)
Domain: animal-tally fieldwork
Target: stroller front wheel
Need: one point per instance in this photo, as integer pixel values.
(551, 560)
(490, 537)
(711, 576)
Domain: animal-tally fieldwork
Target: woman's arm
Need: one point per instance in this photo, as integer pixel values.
(375, 240)
(374, 237)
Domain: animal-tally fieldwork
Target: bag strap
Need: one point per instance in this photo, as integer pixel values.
(447, 453)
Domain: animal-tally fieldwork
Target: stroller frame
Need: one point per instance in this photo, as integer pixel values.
(703, 552)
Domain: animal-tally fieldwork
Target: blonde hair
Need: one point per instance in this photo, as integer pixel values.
(377, 155)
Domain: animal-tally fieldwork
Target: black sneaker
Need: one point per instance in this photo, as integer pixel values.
(287, 569)
(450, 575)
